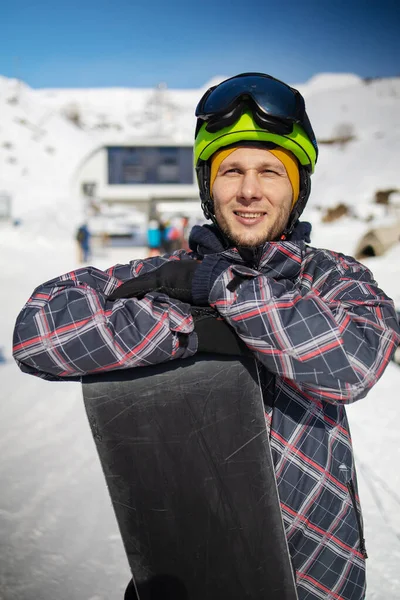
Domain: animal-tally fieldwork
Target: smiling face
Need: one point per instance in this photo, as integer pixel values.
(252, 196)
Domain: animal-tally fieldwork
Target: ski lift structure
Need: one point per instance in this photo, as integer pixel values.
(137, 173)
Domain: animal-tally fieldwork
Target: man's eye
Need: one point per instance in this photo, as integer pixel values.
(269, 171)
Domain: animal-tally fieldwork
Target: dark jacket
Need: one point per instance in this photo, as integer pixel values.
(317, 322)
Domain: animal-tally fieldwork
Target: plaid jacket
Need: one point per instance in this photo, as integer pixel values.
(316, 321)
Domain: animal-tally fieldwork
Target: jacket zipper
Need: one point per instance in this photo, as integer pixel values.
(251, 256)
(352, 493)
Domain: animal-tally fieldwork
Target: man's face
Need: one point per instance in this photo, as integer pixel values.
(252, 196)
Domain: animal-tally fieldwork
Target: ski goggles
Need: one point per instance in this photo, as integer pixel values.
(275, 106)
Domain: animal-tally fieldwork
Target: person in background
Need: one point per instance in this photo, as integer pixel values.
(185, 233)
(173, 235)
(166, 241)
(320, 328)
(154, 237)
(83, 239)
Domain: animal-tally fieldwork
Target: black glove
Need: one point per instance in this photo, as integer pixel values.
(174, 278)
(215, 335)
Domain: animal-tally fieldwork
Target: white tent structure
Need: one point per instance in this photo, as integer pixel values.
(378, 240)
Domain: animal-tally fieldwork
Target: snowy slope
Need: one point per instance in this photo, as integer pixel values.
(39, 150)
(58, 536)
(370, 111)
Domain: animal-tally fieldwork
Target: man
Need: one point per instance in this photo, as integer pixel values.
(316, 320)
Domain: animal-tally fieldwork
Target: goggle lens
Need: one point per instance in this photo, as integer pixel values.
(274, 97)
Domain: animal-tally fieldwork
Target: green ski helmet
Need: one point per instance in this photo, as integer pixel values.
(257, 109)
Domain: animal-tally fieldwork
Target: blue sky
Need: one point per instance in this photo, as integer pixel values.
(140, 43)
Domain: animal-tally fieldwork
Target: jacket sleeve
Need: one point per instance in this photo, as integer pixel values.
(331, 337)
(68, 328)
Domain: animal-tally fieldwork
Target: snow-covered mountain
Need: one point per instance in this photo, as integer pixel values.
(39, 149)
(45, 133)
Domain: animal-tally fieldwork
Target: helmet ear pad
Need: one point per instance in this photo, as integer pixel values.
(203, 177)
(203, 172)
(305, 190)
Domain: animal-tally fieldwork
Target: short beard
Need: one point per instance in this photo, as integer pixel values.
(238, 241)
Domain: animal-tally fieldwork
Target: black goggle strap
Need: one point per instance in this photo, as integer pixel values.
(265, 122)
(218, 122)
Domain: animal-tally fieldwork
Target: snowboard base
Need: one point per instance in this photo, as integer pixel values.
(185, 452)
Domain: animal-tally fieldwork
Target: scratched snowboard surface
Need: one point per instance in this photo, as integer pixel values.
(185, 453)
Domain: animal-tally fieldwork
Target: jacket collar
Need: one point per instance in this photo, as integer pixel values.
(278, 259)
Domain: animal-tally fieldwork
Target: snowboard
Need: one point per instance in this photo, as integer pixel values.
(185, 452)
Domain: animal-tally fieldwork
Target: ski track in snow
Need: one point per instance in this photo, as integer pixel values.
(58, 535)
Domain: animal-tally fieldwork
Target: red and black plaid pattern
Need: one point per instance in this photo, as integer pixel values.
(323, 333)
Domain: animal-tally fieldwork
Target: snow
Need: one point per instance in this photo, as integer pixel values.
(58, 536)
(331, 81)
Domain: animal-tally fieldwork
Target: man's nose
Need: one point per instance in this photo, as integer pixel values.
(250, 187)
